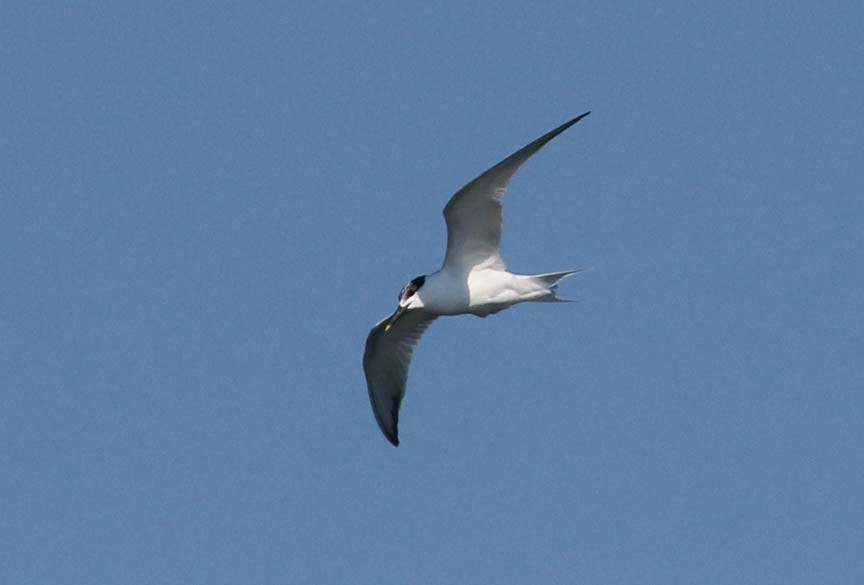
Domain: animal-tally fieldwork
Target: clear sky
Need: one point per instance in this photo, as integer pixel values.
(204, 207)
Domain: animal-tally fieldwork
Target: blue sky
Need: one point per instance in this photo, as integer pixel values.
(205, 207)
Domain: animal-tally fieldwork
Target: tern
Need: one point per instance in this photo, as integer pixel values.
(473, 280)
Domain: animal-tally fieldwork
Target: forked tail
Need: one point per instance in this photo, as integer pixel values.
(550, 282)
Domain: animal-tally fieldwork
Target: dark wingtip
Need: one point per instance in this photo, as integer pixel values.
(540, 142)
(576, 119)
(393, 435)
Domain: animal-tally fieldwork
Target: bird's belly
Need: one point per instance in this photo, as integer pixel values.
(480, 293)
(492, 291)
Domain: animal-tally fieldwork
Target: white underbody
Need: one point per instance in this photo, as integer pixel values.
(479, 292)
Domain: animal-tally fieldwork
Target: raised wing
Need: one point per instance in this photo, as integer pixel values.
(386, 361)
(474, 215)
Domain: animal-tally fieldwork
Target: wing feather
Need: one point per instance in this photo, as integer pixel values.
(385, 363)
(475, 214)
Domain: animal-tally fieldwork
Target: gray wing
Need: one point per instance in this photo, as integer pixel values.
(385, 363)
(474, 215)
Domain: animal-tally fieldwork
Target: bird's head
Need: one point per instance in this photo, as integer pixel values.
(408, 299)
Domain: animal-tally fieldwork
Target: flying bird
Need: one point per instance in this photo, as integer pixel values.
(472, 280)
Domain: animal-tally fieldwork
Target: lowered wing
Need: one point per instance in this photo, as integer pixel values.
(385, 363)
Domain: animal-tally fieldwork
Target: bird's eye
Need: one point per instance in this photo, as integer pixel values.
(412, 287)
